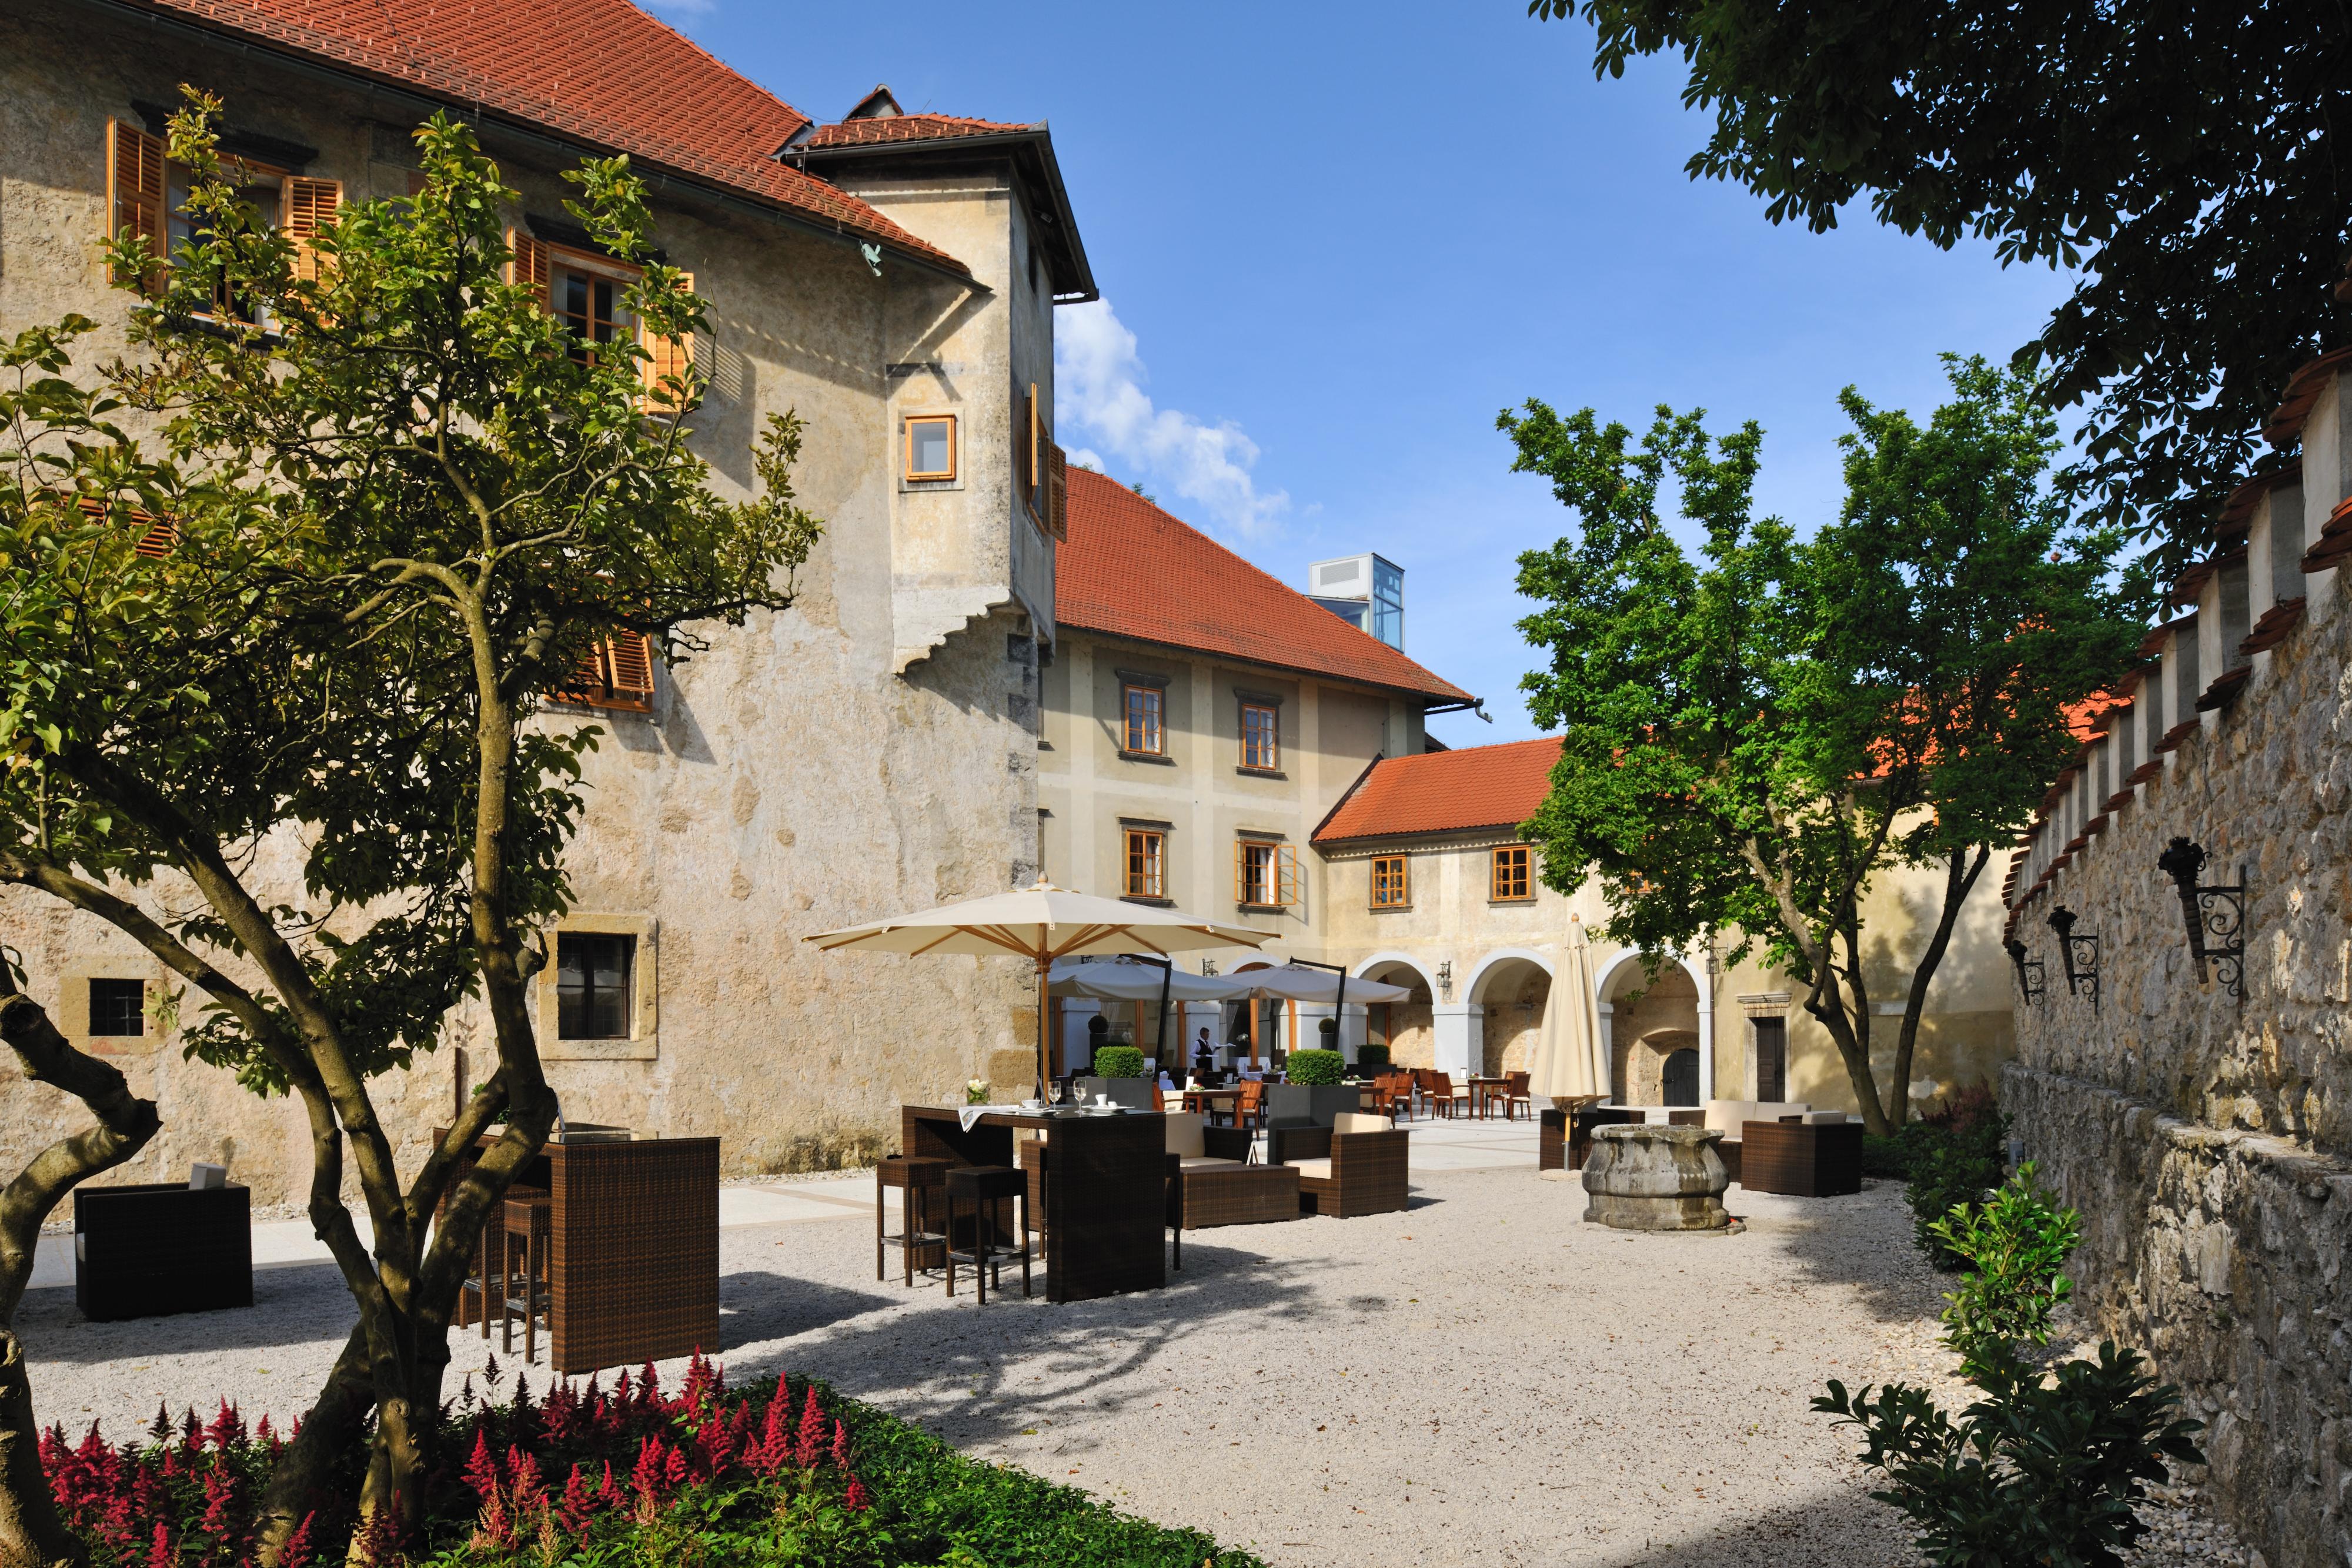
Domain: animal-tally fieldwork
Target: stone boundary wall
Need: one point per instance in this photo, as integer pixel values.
(2207, 1136)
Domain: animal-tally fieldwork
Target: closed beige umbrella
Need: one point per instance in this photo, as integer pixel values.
(1041, 922)
(1570, 1067)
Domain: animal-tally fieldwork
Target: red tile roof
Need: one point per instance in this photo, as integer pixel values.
(1446, 791)
(601, 71)
(904, 127)
(1130, 569)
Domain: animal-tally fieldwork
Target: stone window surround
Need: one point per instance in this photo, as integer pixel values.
(1149, 682)
(643, 1043)
(72, 1016)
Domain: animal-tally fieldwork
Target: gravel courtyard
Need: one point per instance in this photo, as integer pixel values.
(1480, 1380)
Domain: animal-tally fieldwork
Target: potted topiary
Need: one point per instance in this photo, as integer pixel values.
(1118, 1073)
(1314, 1094)
(1372, 1059)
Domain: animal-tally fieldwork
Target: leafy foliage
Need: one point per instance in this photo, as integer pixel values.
(2014, 1246)
(1314, 1067)
(2040, 1469)
(1119, 1061)
(1371, 1057)
(1955, 1160)
(1752, 737)
(782, 1472)
(2178, 158)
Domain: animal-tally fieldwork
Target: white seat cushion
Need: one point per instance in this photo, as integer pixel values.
(1356, 1121)
(1826, 1118)
(1206, 1162)
(1184, 1133)
(1311, 1170)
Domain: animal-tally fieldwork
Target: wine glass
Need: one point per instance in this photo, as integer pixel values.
(1054, 1092)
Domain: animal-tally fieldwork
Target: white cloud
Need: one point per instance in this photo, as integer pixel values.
(1098, 387)
(682, 7)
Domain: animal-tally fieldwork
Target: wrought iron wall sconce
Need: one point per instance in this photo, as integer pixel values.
(2030, 982)
(2216, 917)
(2081, 953)
(1445, 979)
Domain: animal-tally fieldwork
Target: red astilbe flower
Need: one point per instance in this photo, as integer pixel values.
(699, 1388)
(609, 1494)
(647, 1478)
(160, 1427)
(621, 1389)
(559, 1415)
(675, 1471)
(649, 1396)
(840, 1446)
(299, 1549)
(530, 1488)
(490, 1373)
(858, 1500)
(191, 1431)
(494, 1527)
(808, 1443)
(482, 1468)
(159, 1548)
(219, 1523)
(227, 1430)
(378, 1541)
(579, 1504)
(767, 1456)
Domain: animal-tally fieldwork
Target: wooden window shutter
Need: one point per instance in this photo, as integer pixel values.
(310, 205)
(1057, 505)
(134, 187)
(1240, 871)
(669, 358)
(1286, 870)
(631, 657)
(530, 266)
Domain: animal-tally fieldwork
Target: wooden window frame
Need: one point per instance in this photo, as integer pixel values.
(628, 985)
(532, 262)
(1402, 867)
(1272, 760)
(1278, 877)
(909, 472)
(1499, 888)
(1156, 701)
(1146, 874)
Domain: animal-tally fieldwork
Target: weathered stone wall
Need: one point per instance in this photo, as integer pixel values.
(2205, 1137)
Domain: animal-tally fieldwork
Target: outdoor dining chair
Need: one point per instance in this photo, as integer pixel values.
(1442, 1091)
(1514, 1095)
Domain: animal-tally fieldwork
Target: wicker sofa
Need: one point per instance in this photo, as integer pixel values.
(1816, 1155)
(1355, 1166)
(1730, 1117)
(1215, 1183)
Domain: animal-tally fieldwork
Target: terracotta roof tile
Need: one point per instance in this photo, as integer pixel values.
(601, 71)
(904, 127)
(1130, 569)
(1446, 791)
(2285, 426)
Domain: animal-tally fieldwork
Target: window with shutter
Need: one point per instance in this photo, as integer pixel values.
(617, 673)
(1266, 876)
(159, 539)
(309, 205)
(134, 189)
(529, 266)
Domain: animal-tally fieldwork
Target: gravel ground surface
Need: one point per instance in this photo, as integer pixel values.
(1480, 1380)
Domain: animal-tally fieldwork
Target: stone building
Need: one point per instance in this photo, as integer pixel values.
(2198, 1107)
(1217, 740)
(890, 276)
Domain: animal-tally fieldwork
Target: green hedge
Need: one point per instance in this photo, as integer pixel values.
(1119, 1061)
(1317, 1066)
(1371, 1057)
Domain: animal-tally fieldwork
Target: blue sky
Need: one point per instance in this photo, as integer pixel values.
(1342, 238)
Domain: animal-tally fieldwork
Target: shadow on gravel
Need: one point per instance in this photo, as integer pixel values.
(1863, 1240)
(1838, 1528)
(754, 1305)
(942, 1363)
(293, 1303)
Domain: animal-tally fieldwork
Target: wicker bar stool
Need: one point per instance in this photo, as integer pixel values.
(530, 1239)
(490, 1259)
(987, 1188)
(916, 1179)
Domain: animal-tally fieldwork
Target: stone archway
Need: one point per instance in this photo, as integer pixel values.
(1509, 991)
(1409, 1027)
(1649, 1020)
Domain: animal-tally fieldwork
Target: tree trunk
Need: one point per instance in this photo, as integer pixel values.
(1960, 875)
(32, 1535)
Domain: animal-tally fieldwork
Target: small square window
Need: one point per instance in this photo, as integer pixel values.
(1258, 744)
(595, 975)
(1510, 884)
(1390, 889)
(931, 448)
(118, 1008)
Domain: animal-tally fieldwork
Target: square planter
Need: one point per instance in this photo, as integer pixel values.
(151, 1249)
(1306, 1104)
(1135, 1094)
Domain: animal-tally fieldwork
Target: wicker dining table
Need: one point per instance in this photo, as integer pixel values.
(1105, 1188)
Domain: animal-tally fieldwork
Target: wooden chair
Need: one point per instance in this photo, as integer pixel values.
(1249, 1111)
(1514, 1095)
(1442, 1091)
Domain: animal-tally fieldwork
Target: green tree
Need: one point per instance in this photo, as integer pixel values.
(275, 669)
(1751, 738)
(2180, 156)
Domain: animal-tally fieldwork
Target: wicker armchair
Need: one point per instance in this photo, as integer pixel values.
(1353, 1167)
(1214, 1183)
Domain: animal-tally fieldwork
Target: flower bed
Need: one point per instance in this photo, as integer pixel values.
(781, 1472)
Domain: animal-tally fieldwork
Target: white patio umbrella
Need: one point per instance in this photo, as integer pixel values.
(1040, 922)
(1134, 981)
(1570, 1064)
(1301, 982)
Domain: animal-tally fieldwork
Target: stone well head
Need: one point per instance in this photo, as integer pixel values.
(1649, 1177)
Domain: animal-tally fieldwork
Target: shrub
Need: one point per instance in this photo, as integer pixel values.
(783, 1473)
(1955, 1156)
(1119, 1061)
(1317, 1066)
(1372, 1059)
(2014, 1246)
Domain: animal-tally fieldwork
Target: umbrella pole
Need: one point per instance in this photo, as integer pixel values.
(1044, 1061)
